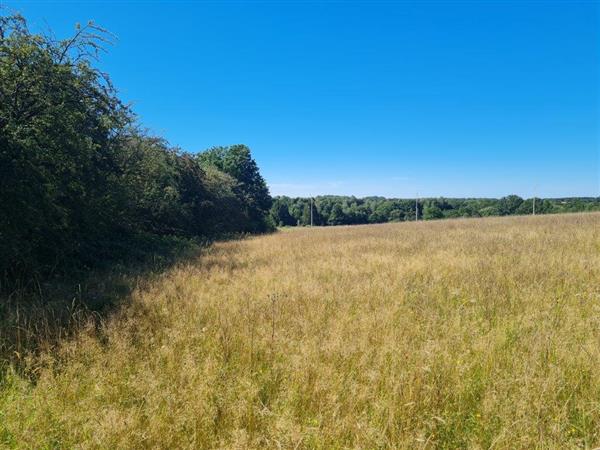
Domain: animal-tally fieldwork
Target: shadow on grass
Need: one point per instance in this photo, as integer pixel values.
(36, 316)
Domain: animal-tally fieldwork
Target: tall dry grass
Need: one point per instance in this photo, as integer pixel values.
(451, 334)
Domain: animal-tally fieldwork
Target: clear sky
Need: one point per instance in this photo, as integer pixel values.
(472, 98)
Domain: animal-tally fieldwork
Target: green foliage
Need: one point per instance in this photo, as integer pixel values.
(251, 188)
(78, 178)
(509, 205)
(59, 119)
(432, 211)
(337, 216)
(280, 213)
(340, 210)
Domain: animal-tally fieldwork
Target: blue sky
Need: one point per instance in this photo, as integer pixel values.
(467, 98)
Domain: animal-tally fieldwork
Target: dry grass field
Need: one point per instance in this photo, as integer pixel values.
(481, 333)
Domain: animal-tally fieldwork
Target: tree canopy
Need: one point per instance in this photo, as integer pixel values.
(79, 179)
(237, 162)
(344, 210)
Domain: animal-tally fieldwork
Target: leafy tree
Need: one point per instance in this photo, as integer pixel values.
(222, 209)
(509, 205)
(337, 215)
(59, 119)
(280, 213)
(252, 188)
(526, 207)
(468, 210)
(432, 211)
(381, 212)
(305, 218)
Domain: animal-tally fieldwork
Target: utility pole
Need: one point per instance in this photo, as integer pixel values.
(534, 192)
(311, 211)
(417, 207)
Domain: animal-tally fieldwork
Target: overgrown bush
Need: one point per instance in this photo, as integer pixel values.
(79, 180)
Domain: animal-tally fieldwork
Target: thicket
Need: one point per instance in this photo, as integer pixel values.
(81, 182)
(343, 210)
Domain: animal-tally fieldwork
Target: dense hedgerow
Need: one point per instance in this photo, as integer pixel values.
(79, 179)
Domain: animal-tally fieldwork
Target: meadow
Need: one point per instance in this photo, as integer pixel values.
(466, 333)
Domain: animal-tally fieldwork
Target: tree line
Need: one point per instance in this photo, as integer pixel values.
(345, 210)
(82, 182)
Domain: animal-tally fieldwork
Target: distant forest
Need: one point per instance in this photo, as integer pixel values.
(343, 210)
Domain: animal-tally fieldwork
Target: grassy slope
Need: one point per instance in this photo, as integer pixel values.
(464, 333)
